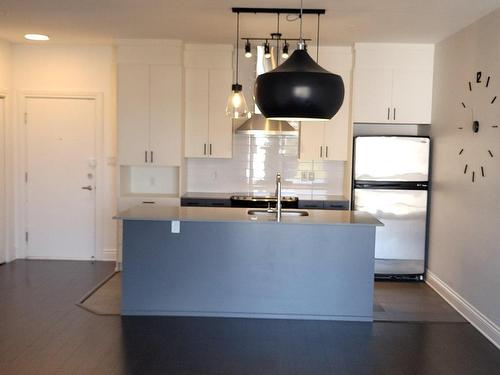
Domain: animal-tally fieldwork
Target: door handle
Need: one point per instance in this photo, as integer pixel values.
(88, 187)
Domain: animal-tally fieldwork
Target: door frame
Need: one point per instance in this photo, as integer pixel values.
(21, 164)
(5, 246)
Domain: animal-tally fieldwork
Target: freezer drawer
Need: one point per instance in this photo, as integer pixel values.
(404, 214)
(391, 158)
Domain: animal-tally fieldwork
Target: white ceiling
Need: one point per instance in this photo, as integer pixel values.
(346, 21)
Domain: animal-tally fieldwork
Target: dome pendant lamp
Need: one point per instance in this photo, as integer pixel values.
(299, 89)
(236, 103)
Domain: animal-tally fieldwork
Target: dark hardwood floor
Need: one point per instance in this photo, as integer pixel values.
(42, 331)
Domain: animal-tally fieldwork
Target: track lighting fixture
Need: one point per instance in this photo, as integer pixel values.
(248, 49)
(267, 50)
(284, 54)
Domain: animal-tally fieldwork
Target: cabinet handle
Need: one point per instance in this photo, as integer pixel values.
(145, 156)
(204, 148)
(151, 158)
(388, 113)
(394, 115)
(326, 155)
(210, 149)
(320, 151)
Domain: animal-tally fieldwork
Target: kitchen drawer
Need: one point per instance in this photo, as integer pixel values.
(205, 202)
(125, 203)
(336, 205)
(313, 205)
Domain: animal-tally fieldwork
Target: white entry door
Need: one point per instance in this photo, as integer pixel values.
(3, 226)
(61, 167)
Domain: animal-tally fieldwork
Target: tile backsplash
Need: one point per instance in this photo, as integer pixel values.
(254, 165)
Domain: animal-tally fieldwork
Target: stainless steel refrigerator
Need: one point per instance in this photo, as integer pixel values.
(391, 180)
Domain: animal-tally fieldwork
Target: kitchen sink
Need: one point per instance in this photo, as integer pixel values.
(283, 212)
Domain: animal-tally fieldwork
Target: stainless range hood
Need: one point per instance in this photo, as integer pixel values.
(258, 124)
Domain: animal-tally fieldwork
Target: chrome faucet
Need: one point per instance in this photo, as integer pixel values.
(278, 197)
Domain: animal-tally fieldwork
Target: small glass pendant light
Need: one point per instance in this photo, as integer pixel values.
(236, 103)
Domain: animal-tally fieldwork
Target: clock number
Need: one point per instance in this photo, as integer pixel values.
(495, 126)
(478, 77)
(463, 105)
(470, 86)
(465, 169)
(482, 171)
(473, 176)
(493, 100)
(491, 153)
(488, 81)
(461, 152)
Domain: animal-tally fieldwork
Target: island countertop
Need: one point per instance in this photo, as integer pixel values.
(233, 214)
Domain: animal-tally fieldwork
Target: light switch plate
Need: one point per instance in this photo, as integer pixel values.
(176, 226)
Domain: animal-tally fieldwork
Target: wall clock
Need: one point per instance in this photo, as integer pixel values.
(479, 117)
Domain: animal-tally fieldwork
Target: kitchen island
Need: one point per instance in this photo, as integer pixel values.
(223, 262)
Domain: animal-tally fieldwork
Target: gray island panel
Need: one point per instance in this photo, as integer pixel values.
(238, 269)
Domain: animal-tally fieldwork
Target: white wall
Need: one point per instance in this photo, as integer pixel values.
(5, 66)
(72, 70)
(6, 91)
(464, 252)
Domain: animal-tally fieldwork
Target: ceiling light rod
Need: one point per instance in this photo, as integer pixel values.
(280, 38)
(278, 10)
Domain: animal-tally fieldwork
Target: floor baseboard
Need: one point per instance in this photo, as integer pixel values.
(109, 254)
(482, 323)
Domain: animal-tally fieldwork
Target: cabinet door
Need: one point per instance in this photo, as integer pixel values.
(372, 95)
(220, 131)
(337, 129)
(311, 140)
(133, 113)
(412, 96)
(196, 112)
(165, 139)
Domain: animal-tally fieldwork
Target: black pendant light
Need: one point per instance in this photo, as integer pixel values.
(299, 89)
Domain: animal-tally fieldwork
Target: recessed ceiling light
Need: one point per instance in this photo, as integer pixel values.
(36, 37)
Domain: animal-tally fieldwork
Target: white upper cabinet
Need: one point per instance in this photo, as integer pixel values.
(412, 95)
(165, 100)
(329, 140)
(372, 99)
(196, 110)
(150, 97)
(220, 126)
(393, 83)
(312, 140)
(133, 113)
(208, 72)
